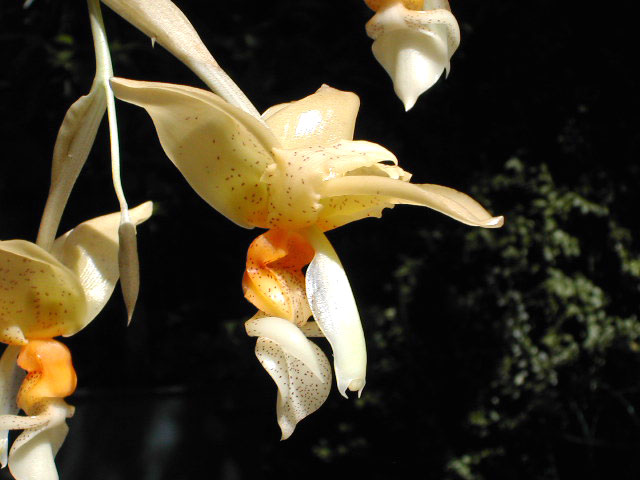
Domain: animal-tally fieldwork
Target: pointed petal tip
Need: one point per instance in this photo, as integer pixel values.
(129, 266)
(494, 222)
(353, 385)
(409, 102)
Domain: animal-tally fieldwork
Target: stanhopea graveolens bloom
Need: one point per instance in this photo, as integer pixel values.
(414, 41)
(44, 295)
(298, 174)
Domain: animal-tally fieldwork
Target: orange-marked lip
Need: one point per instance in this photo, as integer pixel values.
(273, 280)
(50, 373)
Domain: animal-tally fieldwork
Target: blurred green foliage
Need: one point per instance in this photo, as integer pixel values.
(545, 317)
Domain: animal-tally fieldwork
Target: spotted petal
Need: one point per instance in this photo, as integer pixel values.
(289, 338)
(33, 451)
(221, 151)
(300, 391)
(39, 296)
(445, 200)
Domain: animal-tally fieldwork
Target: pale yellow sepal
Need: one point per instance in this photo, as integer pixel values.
(221, 151)
(448, 201)
(39, 296)
(73, 144)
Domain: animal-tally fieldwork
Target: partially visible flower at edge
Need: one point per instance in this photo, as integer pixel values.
(414, 41)
(299, 176)
(43, 295)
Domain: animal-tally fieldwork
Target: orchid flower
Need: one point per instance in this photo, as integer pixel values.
(43, 295)
(414, 41)
(298, 173)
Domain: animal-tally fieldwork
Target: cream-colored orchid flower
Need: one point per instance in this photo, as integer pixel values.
(298, 176)
(43, 295)
(414, 41)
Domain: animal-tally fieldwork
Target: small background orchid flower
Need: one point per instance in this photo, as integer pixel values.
(414, 41)
(43, 295)
(301, 173)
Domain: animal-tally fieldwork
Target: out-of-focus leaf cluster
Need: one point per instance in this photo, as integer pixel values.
(528, 337)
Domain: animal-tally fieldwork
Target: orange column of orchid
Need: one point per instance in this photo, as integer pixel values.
(273, 280)
(50, 373)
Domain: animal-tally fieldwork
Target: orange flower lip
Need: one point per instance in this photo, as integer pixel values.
(273, 280)
(50, 373)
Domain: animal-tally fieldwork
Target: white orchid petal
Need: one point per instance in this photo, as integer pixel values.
(334, 310)
(10, 379)
(414, 61)
(91, 251)
(414, 46)
(32, 453)
(300, 391)
(20, 422)
(288, 336)
(311, 329)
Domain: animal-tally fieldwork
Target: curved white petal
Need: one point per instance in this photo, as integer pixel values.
(414, 61)
(10, 379)
(414, 46)
(300, 391)
(91, 251)
(334, 310)
(288, 336)
(32, 453)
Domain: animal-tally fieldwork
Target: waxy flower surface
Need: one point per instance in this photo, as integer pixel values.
(296, 172)
(43, 295)
(414, 41)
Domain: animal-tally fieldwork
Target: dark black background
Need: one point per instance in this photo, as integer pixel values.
(179, 392)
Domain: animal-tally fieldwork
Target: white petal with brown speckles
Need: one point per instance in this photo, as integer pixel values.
(300, 391)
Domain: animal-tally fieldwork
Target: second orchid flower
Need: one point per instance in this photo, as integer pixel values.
(297, 173)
